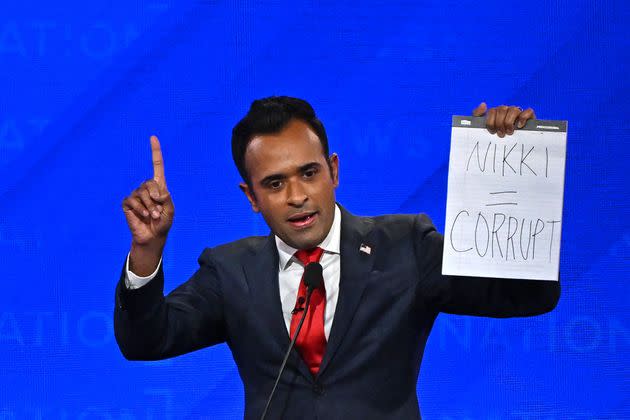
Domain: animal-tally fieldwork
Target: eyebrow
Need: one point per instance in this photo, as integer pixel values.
(274, 177)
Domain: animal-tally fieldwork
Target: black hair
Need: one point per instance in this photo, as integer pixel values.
(268, 116)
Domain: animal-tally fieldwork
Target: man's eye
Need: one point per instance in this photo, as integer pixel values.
(274, 185)
(309, 173)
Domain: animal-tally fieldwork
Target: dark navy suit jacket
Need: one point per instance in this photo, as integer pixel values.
(388, 301)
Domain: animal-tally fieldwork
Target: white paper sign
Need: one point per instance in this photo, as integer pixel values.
(504, 203)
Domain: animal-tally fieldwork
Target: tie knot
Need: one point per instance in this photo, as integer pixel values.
(306, 256)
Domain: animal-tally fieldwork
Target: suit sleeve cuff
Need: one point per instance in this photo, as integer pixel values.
(133, 281)
(138, 302)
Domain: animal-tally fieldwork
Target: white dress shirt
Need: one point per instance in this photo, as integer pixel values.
(291, 269)
(290, 272)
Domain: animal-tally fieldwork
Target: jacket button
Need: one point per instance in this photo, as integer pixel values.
(318, 389)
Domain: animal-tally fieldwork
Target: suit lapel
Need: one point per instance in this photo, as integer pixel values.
(261, 272)
(355, 268)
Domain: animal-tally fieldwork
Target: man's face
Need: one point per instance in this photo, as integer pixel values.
(292, 185)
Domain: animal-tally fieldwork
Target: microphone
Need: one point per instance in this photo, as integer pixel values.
(298, 305)
(312, 278)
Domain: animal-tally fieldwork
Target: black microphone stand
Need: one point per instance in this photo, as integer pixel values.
(311, 285)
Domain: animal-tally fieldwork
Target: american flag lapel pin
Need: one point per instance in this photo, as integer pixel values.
(365, 249)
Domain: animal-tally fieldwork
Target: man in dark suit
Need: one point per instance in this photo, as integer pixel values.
(359, 353)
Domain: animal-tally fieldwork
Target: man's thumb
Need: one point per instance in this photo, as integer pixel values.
(480, 110)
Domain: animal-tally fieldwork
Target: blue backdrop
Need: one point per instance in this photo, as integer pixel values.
(85, 84)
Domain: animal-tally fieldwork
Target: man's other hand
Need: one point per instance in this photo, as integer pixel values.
(503, 119)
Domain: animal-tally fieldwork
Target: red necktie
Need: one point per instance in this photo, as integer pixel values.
(311, 342)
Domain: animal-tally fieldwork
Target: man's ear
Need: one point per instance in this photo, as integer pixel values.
(333, 161)
(250, 196)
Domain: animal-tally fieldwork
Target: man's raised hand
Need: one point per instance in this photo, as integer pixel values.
(149, 208)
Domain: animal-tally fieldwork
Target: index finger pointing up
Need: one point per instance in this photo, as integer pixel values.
(158, 162)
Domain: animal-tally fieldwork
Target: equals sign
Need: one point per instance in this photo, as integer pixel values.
(504, 203)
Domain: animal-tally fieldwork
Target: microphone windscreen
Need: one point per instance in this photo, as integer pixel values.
(313, 276)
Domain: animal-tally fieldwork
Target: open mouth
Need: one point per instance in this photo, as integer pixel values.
(302, 220)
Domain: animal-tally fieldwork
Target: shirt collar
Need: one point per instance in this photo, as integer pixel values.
(330, 244)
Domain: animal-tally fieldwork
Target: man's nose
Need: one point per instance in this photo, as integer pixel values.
(296, 194)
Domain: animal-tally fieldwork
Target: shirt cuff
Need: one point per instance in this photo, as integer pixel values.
(133, 281)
